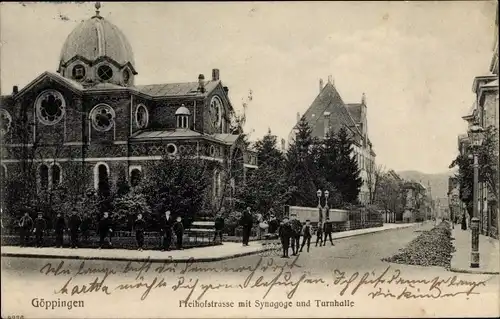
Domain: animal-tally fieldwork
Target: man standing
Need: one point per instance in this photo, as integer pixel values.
(74, 228)
(104, 229)
(60, 225)
(296, 229)
(307, 234)
(25, 228)
(219, 225)
(285, 232)
(40, 226)
(139, 226)
(178, 228)
(327, 230)
(166, 230)
(247, 223)
(85, 227)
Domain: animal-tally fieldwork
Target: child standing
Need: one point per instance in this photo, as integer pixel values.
(139, 226)
(307, 234)
(319, 234)
(179, 231)
(40, 226)
(285, 233)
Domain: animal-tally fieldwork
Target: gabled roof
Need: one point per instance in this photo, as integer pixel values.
(176, 89)
(329, 100)
(165, 134)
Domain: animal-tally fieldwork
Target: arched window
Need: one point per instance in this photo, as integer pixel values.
(101, 179)
(56, 175)
(43, 172)
(217, 184)
(135, 177)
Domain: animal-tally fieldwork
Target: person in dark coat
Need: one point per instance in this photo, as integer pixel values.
(296, 228)
(60, 225)
(40, 226)
(166, 223)
(247, 223)
(104, 228)
(306, 235)
(319, 234)
(274, 224)
(178, 228)
(74, 227)
(285, 232)
(219, 226)
(85, 227)
(25, 228)
(139, 226)
(327, 230)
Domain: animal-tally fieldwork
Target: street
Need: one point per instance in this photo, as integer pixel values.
(352, 266)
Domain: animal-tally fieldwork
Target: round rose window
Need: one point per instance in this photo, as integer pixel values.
(50, 107)
(5, 121)
(102, 117)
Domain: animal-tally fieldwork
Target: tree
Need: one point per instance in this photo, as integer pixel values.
(348, 180)
(389, 194)
(373, 175)
(177, 183)
(301, 167)
(126, 208)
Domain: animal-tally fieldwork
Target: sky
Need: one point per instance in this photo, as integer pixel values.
(415, 61)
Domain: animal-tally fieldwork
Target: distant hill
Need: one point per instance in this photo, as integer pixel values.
(439, 182)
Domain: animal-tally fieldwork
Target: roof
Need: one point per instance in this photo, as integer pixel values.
(329, 100)
(491, 84)
(173, 89)
(355, 111)
(95, 38)
(165, 134)
(182, 111)
(227, 138)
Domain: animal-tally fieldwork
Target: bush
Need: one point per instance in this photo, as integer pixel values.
(231, 222)
(126, 209)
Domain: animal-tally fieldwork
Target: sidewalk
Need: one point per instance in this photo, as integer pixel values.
(489, 262)
(203, 254)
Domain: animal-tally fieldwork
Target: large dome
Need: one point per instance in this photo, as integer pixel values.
(95, 38)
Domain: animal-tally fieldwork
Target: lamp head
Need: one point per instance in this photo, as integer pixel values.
(319, 193)
(327, 193)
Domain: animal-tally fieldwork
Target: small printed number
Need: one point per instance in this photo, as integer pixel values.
(15, 317)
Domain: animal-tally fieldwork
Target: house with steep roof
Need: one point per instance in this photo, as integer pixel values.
(328, 112)
(100, 118)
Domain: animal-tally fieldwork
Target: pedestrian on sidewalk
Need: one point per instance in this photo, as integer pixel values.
(139, 226)
(25, 228)
(319, 234)
(219, 225)
(179, 232)
(296, 229)
(40, 226)
(246, 222)
(285, 234)
(104, 228)
(60, 225)
(166, 223)
(327, 230)
(74, 227)
(306, 235)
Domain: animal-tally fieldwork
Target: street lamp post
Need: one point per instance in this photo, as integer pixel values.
(476, 137)
(320, 208)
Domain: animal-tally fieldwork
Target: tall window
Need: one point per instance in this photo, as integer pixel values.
(56, 175)
(43, 172)
(135, 177)
(103, 180)
(217, 184)
(182, 121)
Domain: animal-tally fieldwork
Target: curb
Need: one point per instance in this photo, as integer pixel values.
(170, 260)
(477, 272)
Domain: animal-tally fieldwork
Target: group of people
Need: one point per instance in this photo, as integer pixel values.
(76, 227)
(290, 231)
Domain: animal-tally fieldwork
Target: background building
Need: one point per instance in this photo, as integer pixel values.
(328, 112)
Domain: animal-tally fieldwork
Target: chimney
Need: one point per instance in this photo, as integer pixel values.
(226, 89)
(363, 98)
(320, 85)
(201, 82)
(330, 79)
(215, 74)
(15, 90)
(326, 123)
(298, 117)
(283, 144)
